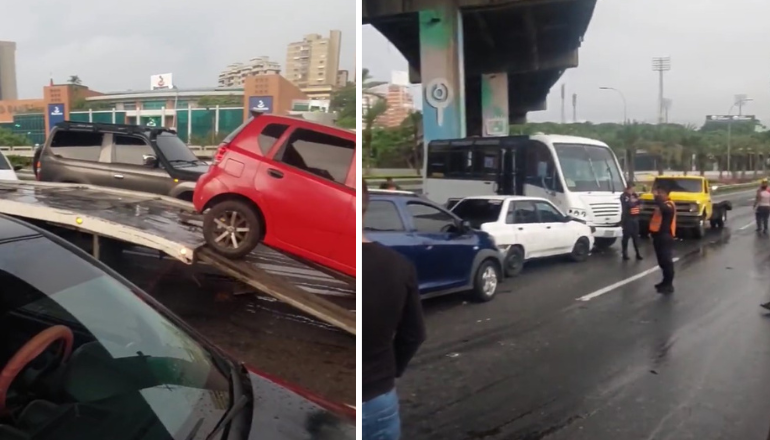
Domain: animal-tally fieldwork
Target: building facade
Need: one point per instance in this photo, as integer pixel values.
(399, 100)
(314, 61)
(199, 115)
(8, 90)
(235, 74)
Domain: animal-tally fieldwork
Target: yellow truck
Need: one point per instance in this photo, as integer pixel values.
(694, 205)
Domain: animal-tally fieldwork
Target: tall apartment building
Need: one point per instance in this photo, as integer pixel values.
(235, 74)
(400, 103)
(8, 89)
(314, 61)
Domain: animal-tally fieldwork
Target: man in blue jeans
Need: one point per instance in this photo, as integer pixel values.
(393, 330)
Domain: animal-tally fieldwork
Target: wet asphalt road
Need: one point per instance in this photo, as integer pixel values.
(538, 363)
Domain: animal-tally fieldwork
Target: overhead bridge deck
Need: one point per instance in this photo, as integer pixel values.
(172, 227)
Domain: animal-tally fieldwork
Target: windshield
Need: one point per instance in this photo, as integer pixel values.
(129, 365)
(680, 185)
(478, 211)
(176, 152)
(589, 168)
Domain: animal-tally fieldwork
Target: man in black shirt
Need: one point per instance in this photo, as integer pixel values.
(629, 220)
(393, 330)
(663, 229)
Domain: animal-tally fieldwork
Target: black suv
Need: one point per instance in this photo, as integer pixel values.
(129, 157)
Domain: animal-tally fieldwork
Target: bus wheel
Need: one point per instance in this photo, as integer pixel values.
(604, 243)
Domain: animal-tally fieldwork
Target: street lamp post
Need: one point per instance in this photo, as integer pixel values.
(740, 101)
(625, 108)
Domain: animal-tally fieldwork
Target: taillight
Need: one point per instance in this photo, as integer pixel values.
(37, 168)
(221, 151)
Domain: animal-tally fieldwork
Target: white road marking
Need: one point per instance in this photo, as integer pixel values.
(744, 227)
(620, 283)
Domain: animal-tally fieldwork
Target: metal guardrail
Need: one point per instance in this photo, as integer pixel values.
(203, 152)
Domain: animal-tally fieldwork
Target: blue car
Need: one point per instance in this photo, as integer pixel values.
(448, 254)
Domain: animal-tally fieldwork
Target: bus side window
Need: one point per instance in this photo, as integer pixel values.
(540, 168)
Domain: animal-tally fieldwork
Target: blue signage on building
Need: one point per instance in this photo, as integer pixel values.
(262, 104)
(55, 115)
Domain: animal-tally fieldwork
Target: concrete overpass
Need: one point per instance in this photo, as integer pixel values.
(482, 62)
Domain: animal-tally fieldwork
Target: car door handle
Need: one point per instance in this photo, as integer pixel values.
(118, 176)
(275, 173)
(548, 227)
(521, 229)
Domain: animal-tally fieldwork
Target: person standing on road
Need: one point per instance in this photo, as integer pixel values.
(762, 207)
(393, 330)
(629, 220)
(36, 160)
(663, 229)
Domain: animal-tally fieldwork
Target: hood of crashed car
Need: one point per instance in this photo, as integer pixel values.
(285, 411)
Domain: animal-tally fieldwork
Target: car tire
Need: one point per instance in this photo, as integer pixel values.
(514, 261)
(486, 281)
(700, 231)
(581, 251)
(604, 243)
(234, 215)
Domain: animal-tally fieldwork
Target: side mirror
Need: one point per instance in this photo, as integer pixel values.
(465, 225)
(17, 167)
(150, 160)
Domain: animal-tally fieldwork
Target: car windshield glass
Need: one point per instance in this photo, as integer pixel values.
(680, 185)
(589, 168)
(176, 152)
(478, 211)
(130, 366)
(4, 163)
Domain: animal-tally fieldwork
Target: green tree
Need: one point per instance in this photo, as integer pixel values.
(75, 80)
(343, 102)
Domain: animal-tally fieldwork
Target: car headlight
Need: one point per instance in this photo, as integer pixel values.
(577, 212)
(694, 207)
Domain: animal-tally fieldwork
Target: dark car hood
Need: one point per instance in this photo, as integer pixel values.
(282, 411)
(191, 173)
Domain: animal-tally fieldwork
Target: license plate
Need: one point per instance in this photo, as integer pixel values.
(608, 233)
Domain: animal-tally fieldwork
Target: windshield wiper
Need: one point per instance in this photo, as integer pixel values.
(238, 405)
(192, 162)
(229, 415)
(612, 178)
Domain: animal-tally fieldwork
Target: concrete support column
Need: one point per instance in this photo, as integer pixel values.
(494, 105)
(442, 73)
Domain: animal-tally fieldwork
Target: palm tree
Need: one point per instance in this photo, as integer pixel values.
(74, 79)
(413, 125)
(367, 84)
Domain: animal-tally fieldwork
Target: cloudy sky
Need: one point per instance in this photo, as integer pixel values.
(718, 49)
(116, 46)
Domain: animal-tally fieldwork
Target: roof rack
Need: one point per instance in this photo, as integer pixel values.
(103, 126)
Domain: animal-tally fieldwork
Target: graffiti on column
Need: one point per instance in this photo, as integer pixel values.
(441, 71)
(494, 104)
(439, 95)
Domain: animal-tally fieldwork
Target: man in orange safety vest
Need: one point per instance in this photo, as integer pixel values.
(663, 230)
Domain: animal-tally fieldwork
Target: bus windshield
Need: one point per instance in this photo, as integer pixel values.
(589, 168)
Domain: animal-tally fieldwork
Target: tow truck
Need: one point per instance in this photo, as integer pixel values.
(117, 219)
(694, 205)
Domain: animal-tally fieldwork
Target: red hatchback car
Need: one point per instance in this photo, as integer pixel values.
(288, 182)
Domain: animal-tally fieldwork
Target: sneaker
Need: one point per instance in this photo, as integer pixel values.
(639, 258)
(666, 290)
(765, 305)
(625, 258)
